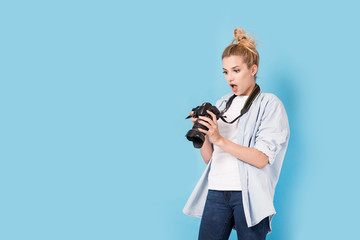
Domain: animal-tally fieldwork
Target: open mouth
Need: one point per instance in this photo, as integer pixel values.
(233, 87)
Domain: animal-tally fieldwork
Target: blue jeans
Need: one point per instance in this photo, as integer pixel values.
(222, 210)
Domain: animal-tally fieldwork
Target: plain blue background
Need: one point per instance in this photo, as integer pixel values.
(94, 94)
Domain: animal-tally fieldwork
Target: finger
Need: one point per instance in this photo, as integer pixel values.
(205, 124)
(193, 121)
(209, 120)
(212, 115)
(202, 130)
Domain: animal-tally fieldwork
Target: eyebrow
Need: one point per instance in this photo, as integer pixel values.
(232, 67)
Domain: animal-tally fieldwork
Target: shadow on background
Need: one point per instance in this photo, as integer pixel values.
(292, 169)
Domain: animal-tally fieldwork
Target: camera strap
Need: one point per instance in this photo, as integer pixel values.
(246, 107)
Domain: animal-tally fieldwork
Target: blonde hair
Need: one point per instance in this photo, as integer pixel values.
(244, 46)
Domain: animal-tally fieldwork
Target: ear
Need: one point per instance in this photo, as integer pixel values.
(254, 69)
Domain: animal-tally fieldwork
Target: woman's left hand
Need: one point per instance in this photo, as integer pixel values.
(211, 124)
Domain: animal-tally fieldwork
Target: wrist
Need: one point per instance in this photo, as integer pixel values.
(219, 141)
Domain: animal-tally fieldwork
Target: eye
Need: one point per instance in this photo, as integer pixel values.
(236, 70)
(224, 72)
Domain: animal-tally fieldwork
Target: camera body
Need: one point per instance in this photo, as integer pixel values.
(194, 135)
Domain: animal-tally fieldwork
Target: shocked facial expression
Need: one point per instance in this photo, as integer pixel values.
(240, 78)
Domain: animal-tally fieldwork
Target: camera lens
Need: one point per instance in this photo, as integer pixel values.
(196, 137)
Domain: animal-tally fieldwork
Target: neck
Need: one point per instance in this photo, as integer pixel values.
(249, 90)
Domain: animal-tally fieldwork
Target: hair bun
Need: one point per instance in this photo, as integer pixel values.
(240, 34)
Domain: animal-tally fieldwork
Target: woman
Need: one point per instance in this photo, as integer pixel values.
(243, 154)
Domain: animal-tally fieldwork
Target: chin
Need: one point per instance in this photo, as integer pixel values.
(239, 93)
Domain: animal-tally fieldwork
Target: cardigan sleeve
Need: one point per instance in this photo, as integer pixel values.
(273, 132)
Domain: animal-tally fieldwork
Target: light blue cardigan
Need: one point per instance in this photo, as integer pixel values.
(264, 127)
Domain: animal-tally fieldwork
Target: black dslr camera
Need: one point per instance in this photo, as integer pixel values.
(194, 135)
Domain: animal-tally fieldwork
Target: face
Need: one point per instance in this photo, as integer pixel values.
(240, 78)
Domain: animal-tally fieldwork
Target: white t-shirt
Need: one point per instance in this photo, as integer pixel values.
(224, 172)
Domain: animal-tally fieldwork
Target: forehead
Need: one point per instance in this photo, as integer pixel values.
(231, 61)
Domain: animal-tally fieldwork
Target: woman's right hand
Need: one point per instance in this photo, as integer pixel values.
(192, 119)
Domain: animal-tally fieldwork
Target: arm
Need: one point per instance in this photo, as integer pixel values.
(206, 150)
(272, 136)
(246, 154)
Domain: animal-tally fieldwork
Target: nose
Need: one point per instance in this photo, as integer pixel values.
(230, 77)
